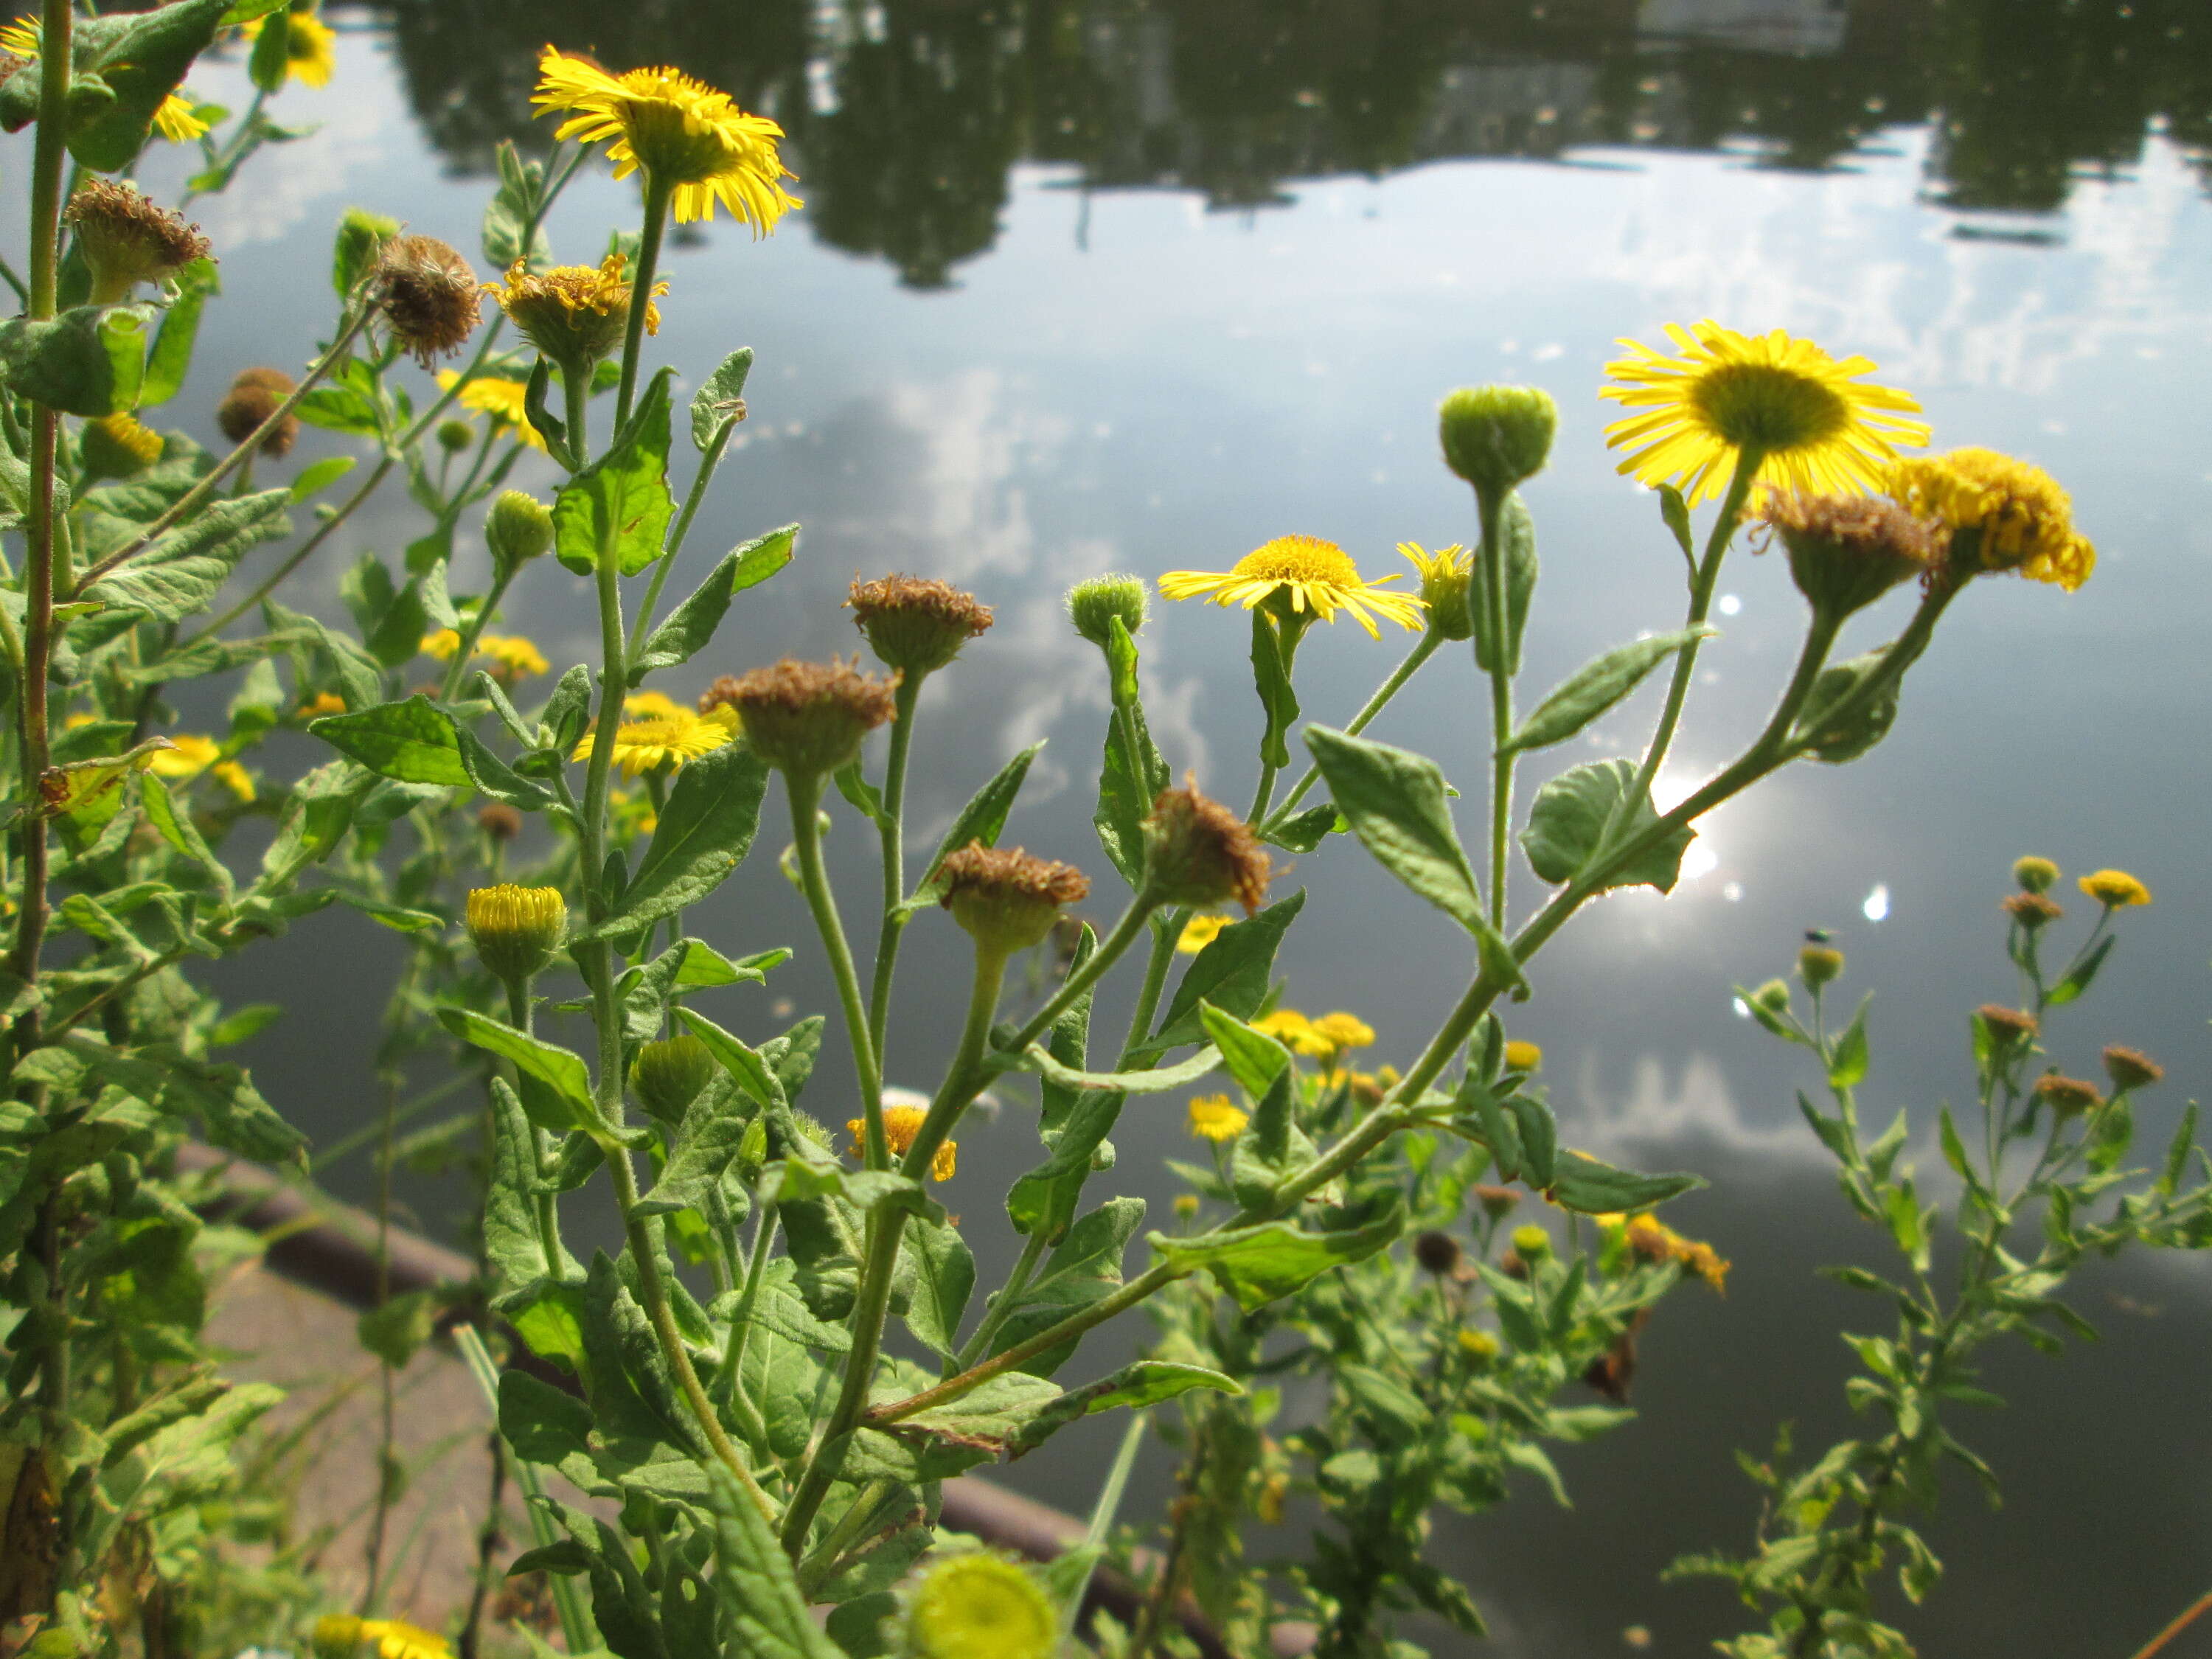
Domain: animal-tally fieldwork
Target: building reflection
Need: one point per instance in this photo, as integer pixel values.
(906, 117)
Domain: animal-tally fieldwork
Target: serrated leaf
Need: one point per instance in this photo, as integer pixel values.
(980, 819)
(1258, 1264)
(704, 832)
(720, 402)
(1234, 972)
(412, 740)
(688, 628)
(1395, 801)
(558, 1068)
(180, 570)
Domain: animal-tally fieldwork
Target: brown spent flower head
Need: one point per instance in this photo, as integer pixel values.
(501, 822)
(575, 314)
(2130, 1068)
(1007, 900)
(2034, 910)
(1437, 1253)
(915, 623)
(2067, 1094)
(722, 694)
(127, 240)
(1846, 552)
(253, 397)
(1198, 851)
(807, 719)
(1496, 1201)
(430, 298)
(2005, 1024)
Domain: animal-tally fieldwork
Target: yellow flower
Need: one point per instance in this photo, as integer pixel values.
(1342, 1031)
(1316, 575)
(394, 1639)
(681, 130)
(1523, 1057)
(1654, 1240)
(978, 1606)
(1444, 575)
(311, 55)
(642, 746)
(1268, 1505)
(2024, 521)
(1478, 1344)
(177, 119)
(1295, 1032)
(1815, 427)
(901, 1125)
(2115, 889)
(1199, 932)
(515, 657)
(651, 706)
(1212, 1118)
(440, 644)
(501, 398)
(575, 314)
(21, 37)
(323, 702)
(190, 755)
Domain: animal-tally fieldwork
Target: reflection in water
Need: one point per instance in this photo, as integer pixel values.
(907, 116)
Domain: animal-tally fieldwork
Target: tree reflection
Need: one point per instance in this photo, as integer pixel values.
(906, 117)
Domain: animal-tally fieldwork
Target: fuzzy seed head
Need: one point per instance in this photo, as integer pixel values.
(805, 718)
(1197, 852)
(430, 297)
(914, 624)
(1007, 900)
(1846, 552)
(253, 397)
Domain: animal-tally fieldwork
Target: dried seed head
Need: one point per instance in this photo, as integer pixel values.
(2006, 1025)
(1198, 851)
(807, 719)
(1007, 900)
(253, 397)
(2067, 1094)
(1496, 1201)
(916, 624)
(430, 298)
(127, 240)
(1437, 1253)
(2130, 1068)
(1846, 552)
(2034, 910)
(499, 821)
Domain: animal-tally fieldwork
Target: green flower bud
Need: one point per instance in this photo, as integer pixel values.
(2035, 875)
(1497, 436)
(455, 435)
(1819, 964)
(516, 930)
(668, 1075)
(1773, 996)
(361, 236)
(979, 1606)
(1531, 1243)
(1092, 607)
(517, 528)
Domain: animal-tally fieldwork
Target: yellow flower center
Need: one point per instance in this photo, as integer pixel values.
(1768, 408)
(1298, 559)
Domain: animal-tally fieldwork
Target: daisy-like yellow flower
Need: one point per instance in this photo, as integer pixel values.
(395, 1638)
(651, 706)
(440, 643)
(1444, 576)
(177, 119)
(2016, 516)
(1313, 575)
(682, 132)
(513, 656)
(1654, 1240)
(310, 48)
(901, 1125)
(1212, 1117)
(1478, 1344)
(975, 1604)
(1199, 932)
(1344, 1031)
(1523, 1056)
(2116, 889)
(323, 702)
(23, 37)
(1815, 425)
(642, 746)
(501, 398)
(1295, 1032)
(190, 754)
(575, 314)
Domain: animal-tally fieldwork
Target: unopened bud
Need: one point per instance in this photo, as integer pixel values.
(455, 435)
(117, 445)
(516, 930)
(517, 528)
(1819, 964)
(1532, 1242)
(975, 1604)
(1497, 436)
(1773, 996)
(1092, 607)
(2035, 875)
(1523, 1057)
(1186, 1205)
(668, 1075)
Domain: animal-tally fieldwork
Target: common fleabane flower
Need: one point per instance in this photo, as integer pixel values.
(2004, 514)
(1311, 574)
(1814, 424)
(672, 739)
(681, 130)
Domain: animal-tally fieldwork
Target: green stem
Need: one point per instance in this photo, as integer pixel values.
(667, 563)
(648, 256)
(1002, 1304)
(891, 828)
(306, 550)
(1424, 648)
(1166, 931)
(1502, 757)
(474, 631)
(805, 793)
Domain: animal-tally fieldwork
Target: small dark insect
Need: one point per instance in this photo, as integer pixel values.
(1818, 936)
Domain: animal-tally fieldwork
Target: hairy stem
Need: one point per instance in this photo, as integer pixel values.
(890, 830)
(657, 193)
(805, 793)
(1502, 757)
(1424, 648)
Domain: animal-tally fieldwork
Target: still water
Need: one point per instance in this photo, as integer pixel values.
(1083, 287)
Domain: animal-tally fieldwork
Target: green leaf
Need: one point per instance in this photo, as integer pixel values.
(1598, 686)
(544, 1424)
(1084, 1268)
(395, 1331)
(1128, 787)
(1016, 1412)
(1835, 735)
(943, 1278)
(513, 1249)
(1258, 1264)
(413, 740)
(618, 507)
(179, 571)
(704, 1148)
(1570, 810)
(271, 61)
(321, 476)
(692, 623)
(2082, 974)
(1039, 1059)
(511, 207)
(1234, 973)
(748, 1066)
(720, 403)
(1271, 678)
(141, 58)
(1253, 1058)
(176, 827)
(1585, 1184)
(767, 1616)
(171, 357)
(1675, 512)
(559, 1069)
(980, 819)
(1395, 801)
(568, 710)
(1517, 534)
(1849, 1068)
(704, 832)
